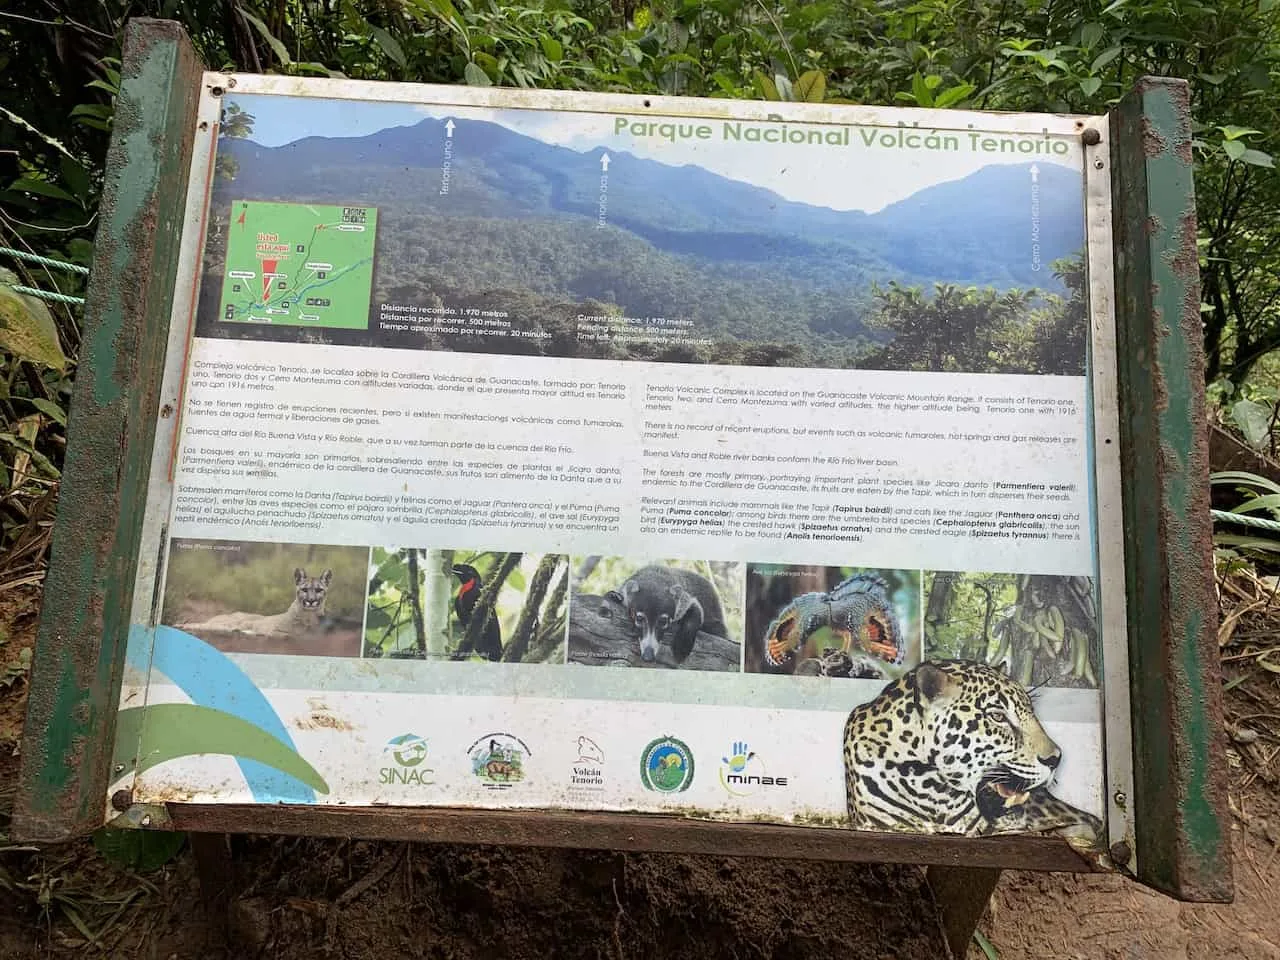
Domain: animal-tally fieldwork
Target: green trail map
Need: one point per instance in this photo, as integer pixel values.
(299, 264)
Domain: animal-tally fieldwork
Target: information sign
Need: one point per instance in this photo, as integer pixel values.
(588, 453)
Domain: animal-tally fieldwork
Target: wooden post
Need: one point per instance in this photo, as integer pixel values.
(1181, 816)
(88, 592)
(962, 895)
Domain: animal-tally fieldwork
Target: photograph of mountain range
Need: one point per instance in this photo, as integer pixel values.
(496, 234)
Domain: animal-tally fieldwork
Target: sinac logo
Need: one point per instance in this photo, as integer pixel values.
(408, 749)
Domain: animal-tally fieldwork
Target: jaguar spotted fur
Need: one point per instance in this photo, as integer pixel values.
(954, 746)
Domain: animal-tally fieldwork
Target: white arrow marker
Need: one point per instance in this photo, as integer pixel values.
(448, 128)
(1035, 173)
(604, 162)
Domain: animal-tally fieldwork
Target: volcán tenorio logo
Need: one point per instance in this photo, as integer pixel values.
(406, 757)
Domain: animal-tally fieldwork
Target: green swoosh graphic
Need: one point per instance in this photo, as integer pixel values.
(171, 730)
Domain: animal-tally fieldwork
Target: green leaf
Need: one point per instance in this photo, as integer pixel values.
(765, 87)
(723, 43)
(811, 87)
(1091, 33)
(1257, 158)
(985, 946)
(475, 76)
(388, 43)
(140, 850)
(42, 188)
(1090, 85)
(1105, 57)
(953, 95)
(276, 46)
(1245, 478)
(1254, 421)
(50, 410)
(552, 48)
(920, 90)
(1247, 542)
(1234, 149)
(1269, 502)
(27, 330)
(1231, 132)
(77, 178)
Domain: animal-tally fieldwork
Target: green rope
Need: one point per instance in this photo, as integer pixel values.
(1246, 520)
(45, 261)
(48, 295)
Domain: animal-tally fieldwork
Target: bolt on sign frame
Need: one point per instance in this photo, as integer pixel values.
(114, 735)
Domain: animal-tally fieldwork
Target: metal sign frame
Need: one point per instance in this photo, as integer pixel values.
(1157, 645)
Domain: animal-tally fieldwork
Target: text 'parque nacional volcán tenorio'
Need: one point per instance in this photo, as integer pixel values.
(901, 137)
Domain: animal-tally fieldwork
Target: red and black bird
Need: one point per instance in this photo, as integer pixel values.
(464, 601)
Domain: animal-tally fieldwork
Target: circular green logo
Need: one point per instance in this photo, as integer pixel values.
(666, 766)
(408, 750)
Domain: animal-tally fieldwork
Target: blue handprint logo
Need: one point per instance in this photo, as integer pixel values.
(742, 772)
(738, 757)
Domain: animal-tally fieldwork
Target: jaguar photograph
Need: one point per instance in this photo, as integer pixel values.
(955, 746)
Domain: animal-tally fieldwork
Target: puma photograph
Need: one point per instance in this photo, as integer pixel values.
(665, 614)
(466, 605)
(1042, 630)
(846, 622)
(280, 598)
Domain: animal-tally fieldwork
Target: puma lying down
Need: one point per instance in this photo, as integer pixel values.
(302, 617)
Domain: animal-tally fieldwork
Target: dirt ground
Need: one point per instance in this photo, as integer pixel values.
(295, 898)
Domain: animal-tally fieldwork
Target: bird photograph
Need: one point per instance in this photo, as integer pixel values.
(466, 605)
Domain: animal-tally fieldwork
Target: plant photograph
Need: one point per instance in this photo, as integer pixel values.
(1041, 630)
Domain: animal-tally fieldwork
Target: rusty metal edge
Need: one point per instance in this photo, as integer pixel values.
(630, 832)
(84, 623)
(1181, 811)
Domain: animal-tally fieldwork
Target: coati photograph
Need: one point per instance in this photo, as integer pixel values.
(456, 605)
(672, 614)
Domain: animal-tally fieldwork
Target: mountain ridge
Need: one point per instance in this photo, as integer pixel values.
(975, 229)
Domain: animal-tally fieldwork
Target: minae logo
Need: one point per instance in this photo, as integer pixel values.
(743, 773)
(405, 757)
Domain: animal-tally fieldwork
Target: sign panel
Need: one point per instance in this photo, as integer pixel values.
(563, 452)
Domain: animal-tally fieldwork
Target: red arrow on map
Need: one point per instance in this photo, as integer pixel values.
(268, 269)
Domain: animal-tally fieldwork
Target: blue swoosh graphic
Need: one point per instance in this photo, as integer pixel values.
(210, 679)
